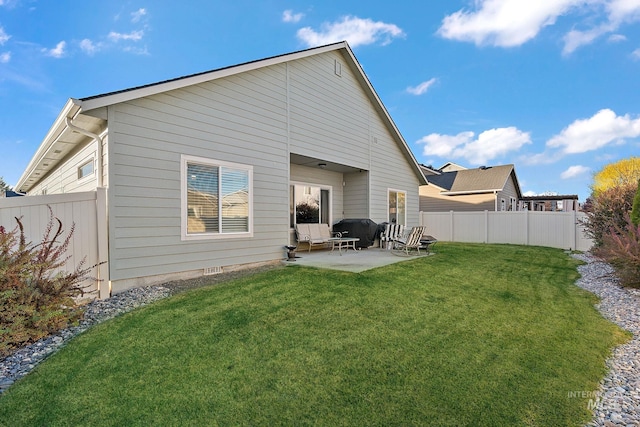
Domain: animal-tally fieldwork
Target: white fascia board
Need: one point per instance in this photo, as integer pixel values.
(458, 193)
(70, 110)
(154, 89)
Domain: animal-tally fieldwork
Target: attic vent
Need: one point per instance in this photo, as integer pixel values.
(338, 68)
(212, 270)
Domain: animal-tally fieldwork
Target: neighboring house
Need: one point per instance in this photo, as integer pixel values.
(254, 136)
(553, 203)
(454, 188)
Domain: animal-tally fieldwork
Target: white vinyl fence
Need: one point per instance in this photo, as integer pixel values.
(86, 210)
(553, 229)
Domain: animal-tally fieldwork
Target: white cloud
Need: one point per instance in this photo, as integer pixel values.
(4, 37)
(603, 128)
(616, 38)
(504, 23)
(133, 36)
(138, 14)
(5, 57)
(574, 38)
(489, 145)
(574, 172)
(356, 31)
(621, 11)
(9, 3)
(422, 87)
(636, 54)
(618, 12)
(289, 16)
(137, 50)
(507, 23)
(89, 47)
(56, 52)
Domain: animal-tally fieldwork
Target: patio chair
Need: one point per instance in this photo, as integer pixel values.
(390, 233)
(403, 245)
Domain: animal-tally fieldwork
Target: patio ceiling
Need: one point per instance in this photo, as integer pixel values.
(313, 162)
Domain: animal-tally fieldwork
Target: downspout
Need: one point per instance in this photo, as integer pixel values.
(99, 179)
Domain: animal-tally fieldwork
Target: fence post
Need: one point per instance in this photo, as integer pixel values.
(102, 234)
(451, 225)
(574, 231)
(486, 226)
(526, 227)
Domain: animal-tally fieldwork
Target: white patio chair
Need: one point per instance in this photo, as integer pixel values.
(403, 245)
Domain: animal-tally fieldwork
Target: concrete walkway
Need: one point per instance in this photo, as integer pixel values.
(350, 260)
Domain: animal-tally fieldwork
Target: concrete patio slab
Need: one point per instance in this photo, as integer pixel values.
(350, 260)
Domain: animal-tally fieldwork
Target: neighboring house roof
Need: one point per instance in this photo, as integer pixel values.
(473, 181)
(450, 167)
(429, 170)
(62, 139)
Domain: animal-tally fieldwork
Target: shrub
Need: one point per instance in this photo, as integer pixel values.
(37, 295)
(606, 210)
(621, 248)
(635, 210)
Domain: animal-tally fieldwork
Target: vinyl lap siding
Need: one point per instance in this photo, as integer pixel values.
(240, 119)
(332, 118)
(508, 192)
(356, 192)
(390, 169)
(329, 114)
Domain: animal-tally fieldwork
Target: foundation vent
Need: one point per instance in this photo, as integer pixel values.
(212, 270)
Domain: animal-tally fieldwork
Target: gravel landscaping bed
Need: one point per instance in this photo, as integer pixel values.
(617, 402)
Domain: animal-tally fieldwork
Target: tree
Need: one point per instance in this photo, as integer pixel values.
(635, 209)
(607, 210)
(3, 185)
(618, 174)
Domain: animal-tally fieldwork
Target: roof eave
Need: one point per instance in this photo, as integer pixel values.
(104, 100)
(70, 110)
(459, 193)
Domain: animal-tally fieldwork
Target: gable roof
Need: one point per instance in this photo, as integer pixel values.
(474, 181)
(450, 167)
(62, 138)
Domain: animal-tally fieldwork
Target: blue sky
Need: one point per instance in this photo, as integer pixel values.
(551, 86)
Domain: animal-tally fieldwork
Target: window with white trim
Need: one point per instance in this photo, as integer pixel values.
(397, 207)
(85, 169)
(217, 199)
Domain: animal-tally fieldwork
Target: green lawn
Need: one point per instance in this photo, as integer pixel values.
(474, 335)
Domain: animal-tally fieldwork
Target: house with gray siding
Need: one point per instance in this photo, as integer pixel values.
(455, 188)
(207, 172)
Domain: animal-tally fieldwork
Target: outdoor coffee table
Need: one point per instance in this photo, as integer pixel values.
(343, 242)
